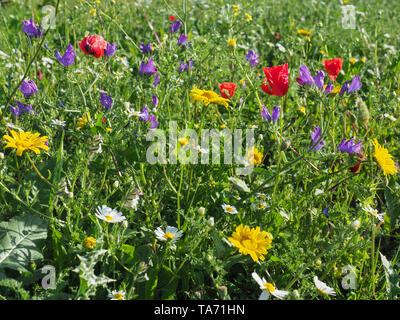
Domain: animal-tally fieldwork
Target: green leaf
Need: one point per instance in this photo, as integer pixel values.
(392, 279)
(151, 284)
(19, 241)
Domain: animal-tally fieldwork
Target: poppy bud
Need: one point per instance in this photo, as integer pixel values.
(363, 113)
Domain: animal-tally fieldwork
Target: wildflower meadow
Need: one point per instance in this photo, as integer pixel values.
(199, 150)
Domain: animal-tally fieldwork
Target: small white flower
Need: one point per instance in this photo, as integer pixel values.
(57, 122)
(281, 47)
(323, 288)
(260, 205)
(13, 126)
(229, 209)
(170, 233)
(387, 115)
(134, 113)
(109, 215)
(117, 295)
(200, 149)
(268, 288)
(374, 212)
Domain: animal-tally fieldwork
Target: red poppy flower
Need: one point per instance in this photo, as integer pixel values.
(94, 45)
(356, 168)
(278, 80)
(227, 89)
(171, 18)
(39, 74)
(333, 67)
(277, 35)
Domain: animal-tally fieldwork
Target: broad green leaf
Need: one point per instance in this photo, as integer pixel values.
(19, 241)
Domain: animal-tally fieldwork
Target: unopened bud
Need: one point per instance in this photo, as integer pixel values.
(197, 294)
(1, 155)
(355, 225)
(296, 293)
(210, 222)
(222, 292)
(116, 184)
(125, 224)
(363, 113)
(201, 211)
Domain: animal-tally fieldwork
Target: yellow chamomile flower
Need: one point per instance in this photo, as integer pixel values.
(171, 233)
(251, 241)
(117, 295)
(248, 17)
(235, 8)
(242, 82)
(25, 141)
(84, 120)
(92, 11)
(109, 215)
(183, 141)
(89, 242)
(303, 32)
(97, 2)
(207, 97)
(363, 59)
(352, 61)
(323, 288)
(232, 42)
(268, 288)
(302, 109)
(254, 156)
(384, 159)
(374, 212)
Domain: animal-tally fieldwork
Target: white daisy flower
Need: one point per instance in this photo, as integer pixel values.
(170, 233)
(263, 196)
(387, 115)
(374, 212)
(109, 215)
(323, 288)
(260, 205)
(268, 288)
(229, 209)
(134, 113)
(117, 295)
(56, 123)
(13, 126)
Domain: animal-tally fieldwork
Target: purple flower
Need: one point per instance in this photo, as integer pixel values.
(182, 39)
(349, 146)
(315, 136)
(329, 88)
(355, 85)
(276, 111)
(319, 79)
(147, 68)
(110, 50)
(31, 29)
(155, 100)
(156, 80)
(106, 100)
(252, 57)
(305, 76)
(68, 58)
(15, 111)
(146, 48)
(326, 212)
(186, 66)
(145, 114)
(28, 88)
(153, 122)
(61, 104)
(175, 26)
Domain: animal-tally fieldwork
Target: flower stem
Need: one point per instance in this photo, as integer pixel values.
(38, 172)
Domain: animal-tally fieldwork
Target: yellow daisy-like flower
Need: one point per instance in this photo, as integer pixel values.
(303, 32)
(251, 241)
(89, 242)
(248, 17)
(363, 59)
(352, 61)
(384, 159)
(302, 109)
(183, 141)
(232, 42)
(25, 141)
(207, 97)
(84, 120)
(92, 11)
(254, 156)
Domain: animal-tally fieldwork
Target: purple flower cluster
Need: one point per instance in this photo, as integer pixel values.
(146, 48)
(31, 29)
(148, 117)
(349, 146)
(106, 100)
(148, 68)
(28, 88)
(315, 136)
(252, 57)
(175, 26)
(110, 50)
(68, 58)
(355, 85)
(186, 66)
(21, 108)
(276, 111)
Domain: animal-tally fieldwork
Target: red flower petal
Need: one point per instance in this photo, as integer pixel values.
(228, 86)
(94, 45)
(333, 67)
(278, 80)
(171, 18)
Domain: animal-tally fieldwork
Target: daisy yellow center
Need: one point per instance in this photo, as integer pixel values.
(269, 287)
(118, 296)
(320, 290)
(229, 209)
(168, 235)
(109, 218)
(261, 206)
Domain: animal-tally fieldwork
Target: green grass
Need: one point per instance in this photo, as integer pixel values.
(61, 205)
